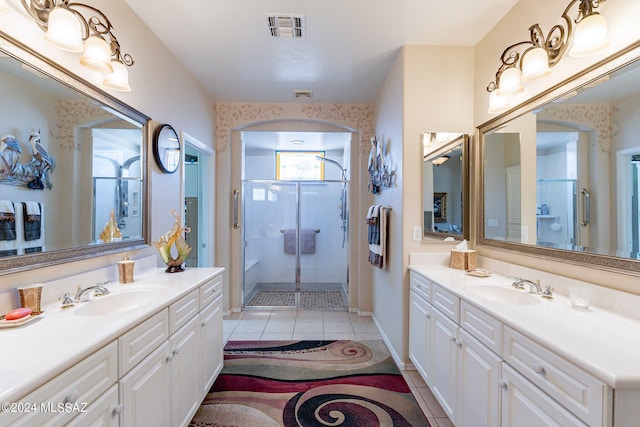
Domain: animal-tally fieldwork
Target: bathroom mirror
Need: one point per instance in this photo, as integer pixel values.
(445, 185)
(94, 148)
(561, 176)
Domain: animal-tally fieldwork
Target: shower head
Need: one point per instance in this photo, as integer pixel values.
(342, 170)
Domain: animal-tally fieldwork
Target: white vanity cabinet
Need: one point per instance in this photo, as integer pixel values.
(156, 372)
(485, 373)
(461, 371)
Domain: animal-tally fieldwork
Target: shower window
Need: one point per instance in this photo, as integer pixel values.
(299, 166)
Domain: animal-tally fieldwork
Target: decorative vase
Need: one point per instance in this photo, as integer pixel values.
(175, 236)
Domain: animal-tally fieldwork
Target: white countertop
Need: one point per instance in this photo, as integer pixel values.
(36, 352)
(603, 343)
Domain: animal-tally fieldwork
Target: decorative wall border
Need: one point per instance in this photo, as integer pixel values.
(234, 115)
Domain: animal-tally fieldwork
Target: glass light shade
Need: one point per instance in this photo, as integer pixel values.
(119, 79)
(510, 82)
(535, 64)
(497, 104)
(4, 7)
(590, 36)
(97, 55)
(64, 30)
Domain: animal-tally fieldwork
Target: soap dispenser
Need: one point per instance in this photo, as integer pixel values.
(125, 269)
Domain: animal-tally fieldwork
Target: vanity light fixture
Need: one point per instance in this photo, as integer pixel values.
(4, 7)
(69, 29)
(440, 160)
(586, 33)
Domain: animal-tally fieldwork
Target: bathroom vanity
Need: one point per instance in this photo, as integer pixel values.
(146, 354)
(497, 356)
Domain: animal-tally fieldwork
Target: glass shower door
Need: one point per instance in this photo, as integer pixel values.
(270, 222)
(323, 242)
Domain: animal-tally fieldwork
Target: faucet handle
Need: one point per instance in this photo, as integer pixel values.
(548, 292)
(67, 301)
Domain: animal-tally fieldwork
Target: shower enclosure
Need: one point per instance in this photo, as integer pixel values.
(295, 237)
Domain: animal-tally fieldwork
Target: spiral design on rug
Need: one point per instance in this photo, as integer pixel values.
(309, 383)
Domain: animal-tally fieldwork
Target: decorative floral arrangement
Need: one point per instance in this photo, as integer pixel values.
(381, 174)
(175, 236)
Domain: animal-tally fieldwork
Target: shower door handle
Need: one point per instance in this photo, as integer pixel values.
(586, 213)
(236, 193)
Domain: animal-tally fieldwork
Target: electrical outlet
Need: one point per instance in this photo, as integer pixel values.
(417, 233)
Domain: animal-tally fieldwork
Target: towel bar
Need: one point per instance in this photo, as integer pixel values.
(317, 230)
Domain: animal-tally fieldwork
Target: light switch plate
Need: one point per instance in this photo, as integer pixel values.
(417, 233)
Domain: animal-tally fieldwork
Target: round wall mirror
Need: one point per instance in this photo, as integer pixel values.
(166, 148)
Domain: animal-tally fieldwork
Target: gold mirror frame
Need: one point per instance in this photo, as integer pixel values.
(463, 141)
(589, 76)
(30, 58)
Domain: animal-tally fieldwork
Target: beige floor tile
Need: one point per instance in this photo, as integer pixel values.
(417, 379)
(276, 336)
(245, 337)
(368, 337)
(309, 316)
(309, 327)
(308, 336)
(279, 327)
(339, 336)
(236, 315)
(343, 327)
(250, 326)
(283, 315)
(364, 327)
(432, 403)
(256, 315)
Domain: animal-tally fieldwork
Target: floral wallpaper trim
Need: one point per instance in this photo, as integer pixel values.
(73, 114)
(231, 115)
(596, 117)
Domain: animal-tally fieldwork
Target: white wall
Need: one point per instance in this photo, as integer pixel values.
(162, 89)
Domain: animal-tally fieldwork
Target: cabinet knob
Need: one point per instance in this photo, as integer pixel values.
(503, 385)
(176, 351)
(204, 324)
(117, 410)
(539, 369)
(428, 316)
(72, 397)
(169, 358)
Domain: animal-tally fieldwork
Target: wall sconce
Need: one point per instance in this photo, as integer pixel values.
(542, 52)
(68, 29)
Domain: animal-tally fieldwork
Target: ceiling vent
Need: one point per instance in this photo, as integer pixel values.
(303, 94)
(285, 25)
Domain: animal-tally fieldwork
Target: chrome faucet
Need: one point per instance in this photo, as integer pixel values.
(534, 287)
(98, 289)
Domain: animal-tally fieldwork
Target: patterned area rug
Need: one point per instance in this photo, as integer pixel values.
(308, 299)
(309, 383)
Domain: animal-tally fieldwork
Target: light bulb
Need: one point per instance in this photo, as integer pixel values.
(497, 104)
(510, 82)
(119, 79)
(97, 55)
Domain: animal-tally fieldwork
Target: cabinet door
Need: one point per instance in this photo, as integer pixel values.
(525, 405)
(445, 357)
(478, 400)
(186, 372)
(212, 343)
(146, 391)
(420, 336)
(101, 413)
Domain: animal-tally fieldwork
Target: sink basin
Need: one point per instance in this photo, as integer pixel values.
(503, 294)
(119, 301)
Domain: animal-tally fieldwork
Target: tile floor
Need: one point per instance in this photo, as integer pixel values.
(314, 325)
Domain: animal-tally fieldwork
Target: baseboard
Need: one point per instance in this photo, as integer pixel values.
(401, 364)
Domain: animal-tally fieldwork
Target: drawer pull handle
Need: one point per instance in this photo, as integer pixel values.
(72, 397)
(503, 385)
(117, 410)
(539, 369)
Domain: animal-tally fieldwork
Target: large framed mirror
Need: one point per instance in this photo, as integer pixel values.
(560, 177)
(445, 185)
(71, 158)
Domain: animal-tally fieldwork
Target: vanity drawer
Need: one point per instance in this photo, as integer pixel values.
(572, 387)
(182, 311)
(77, 387)
(446, 302)
(421, 285)
(482, 326)
(140, 341)
(210, 291)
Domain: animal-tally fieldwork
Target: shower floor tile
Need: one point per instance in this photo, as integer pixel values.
(311, 300)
